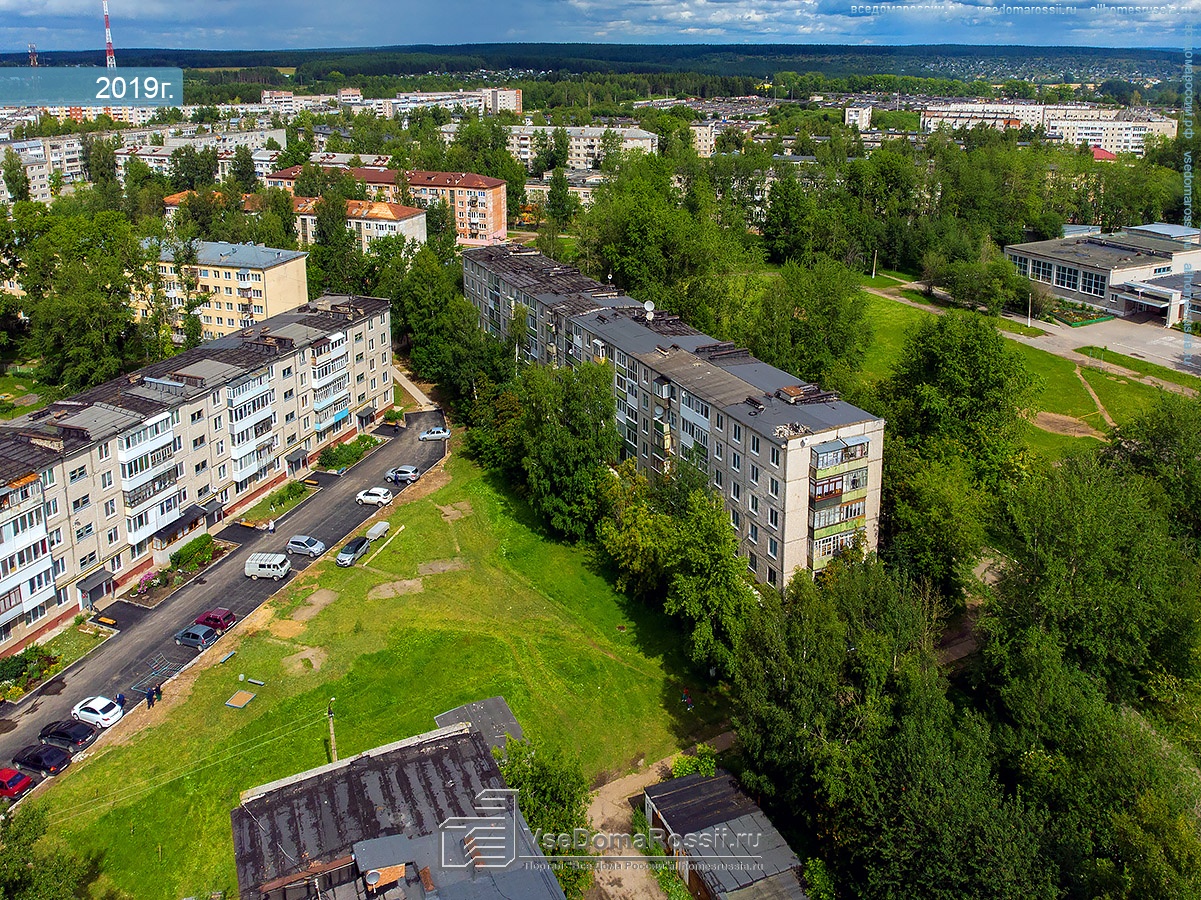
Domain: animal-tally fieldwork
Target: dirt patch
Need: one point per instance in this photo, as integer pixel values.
(394, 589)
(307, 660)
(455, 510)
(1066, 425)
(438, 566)
(285, 628)
(317, 601)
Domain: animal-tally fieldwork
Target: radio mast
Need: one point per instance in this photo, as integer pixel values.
(109, 59)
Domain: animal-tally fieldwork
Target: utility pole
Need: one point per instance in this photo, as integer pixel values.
(333, 743)
(1029, 305)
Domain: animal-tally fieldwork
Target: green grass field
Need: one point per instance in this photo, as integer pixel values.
(1134, 364)
(271, 508)
(1054, 447)
(1124, 399)
(1017, 327)
(525, 617)
(880, 281)
(891, 323)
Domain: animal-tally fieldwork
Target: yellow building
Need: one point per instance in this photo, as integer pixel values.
(241, 284)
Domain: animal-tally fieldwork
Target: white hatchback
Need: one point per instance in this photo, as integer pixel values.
(376, 496)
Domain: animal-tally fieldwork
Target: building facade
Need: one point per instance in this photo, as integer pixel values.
(585, 144)
(104, 485)
(241, 284)
(798, 468)
(1134, 272)
(367, 219)
(859, 116)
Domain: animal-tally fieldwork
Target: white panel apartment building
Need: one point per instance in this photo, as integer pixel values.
(798, 468)
(584, 145)
(106, 484)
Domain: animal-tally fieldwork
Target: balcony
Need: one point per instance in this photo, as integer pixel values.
(135, 498)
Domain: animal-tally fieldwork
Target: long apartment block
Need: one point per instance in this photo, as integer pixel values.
(100, 487)
(799, 469)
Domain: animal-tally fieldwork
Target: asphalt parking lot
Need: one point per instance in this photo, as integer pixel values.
(144, 651)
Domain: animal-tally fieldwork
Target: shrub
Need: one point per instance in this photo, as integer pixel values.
(293, 490)
(348, 454)
(704, 762)
(194, 554)
(27, 667)
(394, 415)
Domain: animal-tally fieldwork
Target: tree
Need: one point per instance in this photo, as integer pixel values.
(241, 171)
(815, 324)
(15, 178)
(553, 796)
(441, 235)
(336, 259)
(959, 389)
(570, 437)
(193, 169)
(560, 204)
(35, 866)
(787, 229)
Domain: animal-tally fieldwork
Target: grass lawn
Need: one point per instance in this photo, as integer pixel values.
(1016, 327)
(891, 323)
(1056, 446)
(525, 617)
(918, 297)
(1143, 367)
(14, 387)
(1061, 391)
(880, 281)
(900, 276)
(1124, 399)
(271, 508)
(75, 642)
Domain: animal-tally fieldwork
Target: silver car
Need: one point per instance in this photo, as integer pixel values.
(305, 545)
(407, 474)
(434, 434)
(352, 551)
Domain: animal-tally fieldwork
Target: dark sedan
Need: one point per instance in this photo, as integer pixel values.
(44, 758)
(68, 735)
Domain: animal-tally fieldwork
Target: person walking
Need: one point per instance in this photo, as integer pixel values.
(158, 693)
(271, 527)
(150, 698)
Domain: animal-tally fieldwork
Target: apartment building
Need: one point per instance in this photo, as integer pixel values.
(1114, 130)
(487, 101)
(799, 469)
(368, 219)
(584, 147)
(37, 170)
(858, 116)
(480, 204)
(242, 284)
(581, 183)
(1145, 271)
(106, 484)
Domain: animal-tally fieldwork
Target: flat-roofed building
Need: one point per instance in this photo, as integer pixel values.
(132, 469)
(585, 144)
(241, 284)
(858, 116)
(1120, 274)
(798, 468)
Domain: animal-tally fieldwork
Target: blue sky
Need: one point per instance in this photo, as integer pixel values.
(251, 24)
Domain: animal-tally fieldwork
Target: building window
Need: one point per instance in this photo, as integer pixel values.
(1066, 277)
(80, 503)
(735, 461)
(755, 444)
(51, 508)
(48, 478)
(773, 547)
(737, 432)
(83, 531)
(1162, 270)
(115, 563)
(1041, 271)
(1023, 264)
(754, 474)
(77, 474)
(771, 576)
(717, 477)
(754, 503)
(88, 560)
(753, 532)
(104, 450)
(773, 517)
(113, 535)
(1092, 283)
(774, 488)
(110, 508)
(735, 490)
(106, 480)
(775, 456)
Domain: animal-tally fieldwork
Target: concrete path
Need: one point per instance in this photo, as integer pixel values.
(415, 392)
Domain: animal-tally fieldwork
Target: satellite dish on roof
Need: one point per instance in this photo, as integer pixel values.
(649, 306)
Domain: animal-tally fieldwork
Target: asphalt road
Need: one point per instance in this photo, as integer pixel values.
(144, 650)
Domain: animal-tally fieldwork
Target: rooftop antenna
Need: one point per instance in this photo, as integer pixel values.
(649, 306)
(110, 60)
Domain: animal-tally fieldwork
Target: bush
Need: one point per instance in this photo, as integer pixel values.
(293, 490)
(27, 667)
(194, 554)
(704, 762)
(394, 415)
(344, 455)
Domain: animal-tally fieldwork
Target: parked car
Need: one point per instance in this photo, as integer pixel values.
(267, 565)
(438, 433)
(407, 474)
(68, 735)
(376, 496)
(44, 758)
(14, 784)
(219, 619)
(98, 711)
(309, 546)
(199, 636)
(354, 549)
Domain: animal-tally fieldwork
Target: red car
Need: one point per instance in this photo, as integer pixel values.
(220, 620)
(14, 785)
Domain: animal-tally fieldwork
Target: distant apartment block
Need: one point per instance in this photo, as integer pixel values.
(479, 203)
(581, 183)
(367, 219)
(1145, 271)
(241, 284)
(99, 487)
(585, 143)
(799, 469)
(1114, 130)
(858, 116)
(487, 101)
(704, 139)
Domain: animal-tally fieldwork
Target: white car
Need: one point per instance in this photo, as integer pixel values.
(98, 711)
(434, 434)
(376, 496)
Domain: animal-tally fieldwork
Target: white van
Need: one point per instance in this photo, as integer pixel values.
(268, 565)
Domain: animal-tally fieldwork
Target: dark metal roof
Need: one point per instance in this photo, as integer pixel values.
(405, 789)
(97, 578)
(492, 718)
(696, 802)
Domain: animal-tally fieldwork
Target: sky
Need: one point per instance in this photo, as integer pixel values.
(270, 24)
